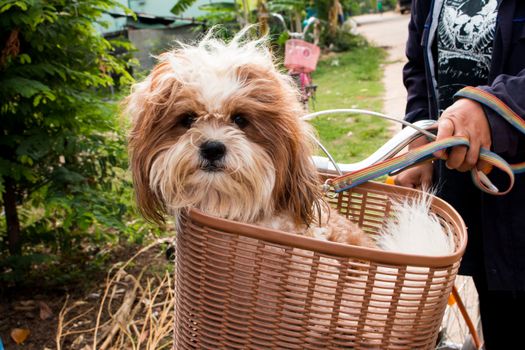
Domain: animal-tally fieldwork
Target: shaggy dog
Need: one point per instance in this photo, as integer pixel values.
(217, 127)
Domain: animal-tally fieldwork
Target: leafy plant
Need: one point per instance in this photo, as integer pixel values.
(234, 14)
(295, 10)
(342, 40)
(181, 6)
(62, 153)
(227, 14)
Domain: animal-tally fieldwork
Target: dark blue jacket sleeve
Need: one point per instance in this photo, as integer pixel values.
(414, 78)
(511, 90)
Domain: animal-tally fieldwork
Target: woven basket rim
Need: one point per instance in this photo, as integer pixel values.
(344, 250)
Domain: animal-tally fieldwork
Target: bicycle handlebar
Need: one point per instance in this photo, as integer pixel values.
(295, 35)
(388, 150)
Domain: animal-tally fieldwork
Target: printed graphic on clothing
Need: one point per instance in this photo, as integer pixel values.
(465, 35)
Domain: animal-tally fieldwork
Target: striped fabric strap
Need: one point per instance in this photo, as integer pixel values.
(405, 160)
(499, 107)
(425, 152)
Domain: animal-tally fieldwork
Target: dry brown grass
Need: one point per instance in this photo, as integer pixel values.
(135, 310)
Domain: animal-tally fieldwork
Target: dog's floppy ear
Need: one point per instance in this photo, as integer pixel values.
(146, 105)
(300, 191)
(304, 181)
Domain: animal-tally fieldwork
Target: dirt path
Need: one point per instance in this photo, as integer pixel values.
(389, 30)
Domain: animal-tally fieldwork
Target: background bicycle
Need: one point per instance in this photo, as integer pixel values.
(301, 56)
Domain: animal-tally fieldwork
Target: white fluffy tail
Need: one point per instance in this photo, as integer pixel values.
(414, 229)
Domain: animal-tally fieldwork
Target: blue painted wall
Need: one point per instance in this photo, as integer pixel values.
(150, 7)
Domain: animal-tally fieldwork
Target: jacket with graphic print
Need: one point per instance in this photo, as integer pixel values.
(496, 224)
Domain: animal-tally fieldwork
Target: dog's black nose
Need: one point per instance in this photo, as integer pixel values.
(213, 150)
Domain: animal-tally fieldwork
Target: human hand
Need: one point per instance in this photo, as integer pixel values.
(419, 176)
(464, 118)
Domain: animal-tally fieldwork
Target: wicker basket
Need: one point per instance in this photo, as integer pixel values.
(245, 287)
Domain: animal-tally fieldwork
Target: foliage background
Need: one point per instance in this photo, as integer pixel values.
(65, 189)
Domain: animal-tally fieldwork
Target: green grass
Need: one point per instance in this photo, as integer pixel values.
(351, 80)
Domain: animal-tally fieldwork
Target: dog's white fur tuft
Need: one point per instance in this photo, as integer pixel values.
(414, 229)
(211, 65)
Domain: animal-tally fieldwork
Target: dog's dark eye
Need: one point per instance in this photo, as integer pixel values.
(240, 120)
(187, 119)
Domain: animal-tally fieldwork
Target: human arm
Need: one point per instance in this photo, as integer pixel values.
(419, 176)
(472, 118)
(415, 81)
(510, 90)
(414, 76)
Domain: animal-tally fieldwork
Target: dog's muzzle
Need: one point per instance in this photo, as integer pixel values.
(212, 152)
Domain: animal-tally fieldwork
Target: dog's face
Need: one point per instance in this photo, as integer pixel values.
(217, 127)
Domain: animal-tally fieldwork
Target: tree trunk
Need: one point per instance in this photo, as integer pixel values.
(245, 12)
(262, 13)
(11, 215)
(332, 17)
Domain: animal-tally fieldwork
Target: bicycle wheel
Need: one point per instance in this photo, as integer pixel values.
(455, 333)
